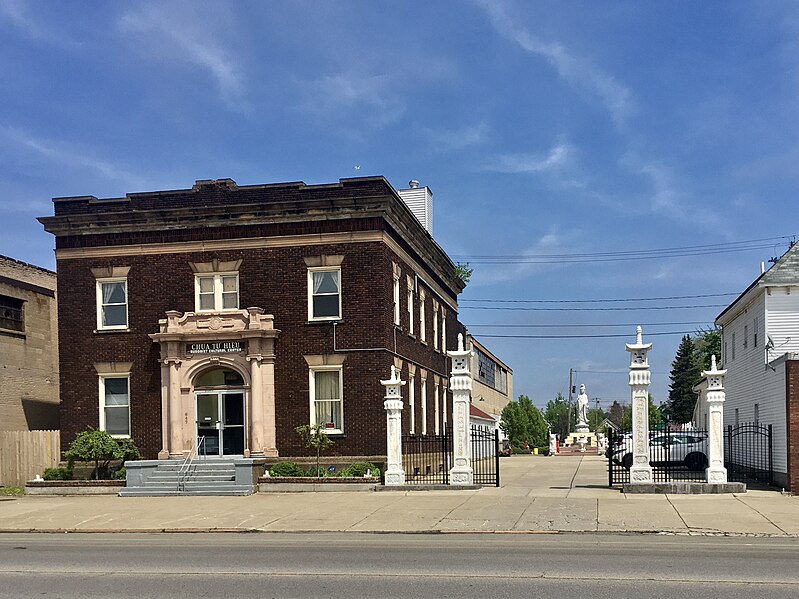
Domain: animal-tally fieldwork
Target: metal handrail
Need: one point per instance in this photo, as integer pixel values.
(187, 463)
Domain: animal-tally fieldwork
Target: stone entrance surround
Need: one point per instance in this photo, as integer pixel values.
(242, 340)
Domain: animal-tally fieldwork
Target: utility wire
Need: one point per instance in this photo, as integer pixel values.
(558, 326)
(593, 309)
(674, 252)
(605, 336)
(591, 301)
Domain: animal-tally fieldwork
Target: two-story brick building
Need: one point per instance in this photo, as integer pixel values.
(237, 313)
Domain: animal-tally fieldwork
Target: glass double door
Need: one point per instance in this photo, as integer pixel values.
(220, 422)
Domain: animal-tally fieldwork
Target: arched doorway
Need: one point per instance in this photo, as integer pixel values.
(219, 406)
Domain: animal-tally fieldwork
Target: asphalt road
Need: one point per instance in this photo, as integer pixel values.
(386, 566)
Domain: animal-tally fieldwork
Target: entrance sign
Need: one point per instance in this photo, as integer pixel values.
(216, 347)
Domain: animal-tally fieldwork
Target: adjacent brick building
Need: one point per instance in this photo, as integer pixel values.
(237, 313)
(28, 347)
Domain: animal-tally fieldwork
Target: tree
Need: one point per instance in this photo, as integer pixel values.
(595, 417)
(97, 446)
(521, 421)
(655, 416)
(616, 413)
(314, 435)
(707, 343)
(556, 414)
(685, 373)
(463, 270)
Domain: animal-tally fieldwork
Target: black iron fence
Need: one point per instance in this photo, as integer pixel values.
(485, 455)
(427, 459)
(682, 456)
(675, 456)
(748, 453)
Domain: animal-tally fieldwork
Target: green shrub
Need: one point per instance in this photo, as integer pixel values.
(98, 446)
(286, 469)
(57, 474)
(359, 469)
(317, 471)
(12, 491)
(121, 474)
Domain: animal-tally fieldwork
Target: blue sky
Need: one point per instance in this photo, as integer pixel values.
(546, 128)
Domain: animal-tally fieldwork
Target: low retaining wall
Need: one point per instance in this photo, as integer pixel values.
(73, 487)
(683, 488)
(291, 484)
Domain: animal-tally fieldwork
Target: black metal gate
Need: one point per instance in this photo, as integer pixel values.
(674, 455)
(748, 453)
(427, 459)
(485, 455)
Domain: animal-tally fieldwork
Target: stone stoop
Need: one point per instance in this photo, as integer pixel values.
(160, 478)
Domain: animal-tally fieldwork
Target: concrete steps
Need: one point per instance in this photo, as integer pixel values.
(202, 477)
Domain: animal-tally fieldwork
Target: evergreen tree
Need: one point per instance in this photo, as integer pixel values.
(685, 373)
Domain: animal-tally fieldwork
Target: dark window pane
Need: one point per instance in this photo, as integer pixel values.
(114, 316)
(114, 293)
(116, 421)
(325, 282)
(234, 409)
(325, 305)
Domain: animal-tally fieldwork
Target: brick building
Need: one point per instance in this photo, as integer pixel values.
(237, 313)
(28, 347)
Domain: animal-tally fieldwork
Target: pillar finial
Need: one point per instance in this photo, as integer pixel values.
(639, 335)
(713, 362)
(460, 341)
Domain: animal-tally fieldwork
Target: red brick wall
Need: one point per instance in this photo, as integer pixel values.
(792, 421)
(276, 280)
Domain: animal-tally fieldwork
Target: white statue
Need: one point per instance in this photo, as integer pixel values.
(582, 409)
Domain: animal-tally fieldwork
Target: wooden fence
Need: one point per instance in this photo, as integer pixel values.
(24, 454)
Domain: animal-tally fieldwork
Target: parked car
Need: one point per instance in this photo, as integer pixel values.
(686, 447)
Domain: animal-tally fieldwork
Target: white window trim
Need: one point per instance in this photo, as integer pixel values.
(102, 378)
(412, 402)
(312, 392)
(424, 405)
(422, 317)
(435, 326)
(312, 270)
(217, 276)
(443, 331)
(396, 293)
(436, 408)
(410, 309)
(99, 295)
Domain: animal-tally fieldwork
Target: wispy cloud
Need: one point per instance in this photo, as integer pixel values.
(577, 71)
(557, 157)
(189, 40)
(447, 140)
(67, 154)
(372, 97)
(550, 243)
(16, 12)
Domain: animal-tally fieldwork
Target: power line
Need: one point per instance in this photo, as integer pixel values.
(675, 252)
(583, 325)
(591, 301)
(606, 336)
(593, 309)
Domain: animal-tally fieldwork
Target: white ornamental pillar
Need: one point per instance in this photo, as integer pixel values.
(395, 473)
(461, 384)
(716, 472)
(640, 471)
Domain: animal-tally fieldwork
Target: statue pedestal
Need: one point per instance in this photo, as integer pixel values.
(573, 440)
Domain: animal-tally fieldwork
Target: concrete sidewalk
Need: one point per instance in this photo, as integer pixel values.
(538, 494)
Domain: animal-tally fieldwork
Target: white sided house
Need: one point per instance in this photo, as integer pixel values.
(760, 351)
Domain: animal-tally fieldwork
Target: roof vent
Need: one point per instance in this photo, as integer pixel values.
(413, 184)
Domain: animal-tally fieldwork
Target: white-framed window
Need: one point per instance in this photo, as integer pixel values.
(410, 306)
(444, 403)
(112, 304)
(327, 401)
(216, 292)
(396, 296)
(435, 326)
(423, 400)
(412, 402)
(324, 293)
(115, 405)
(754, 331)
(422, 319)
(443, 331)
(436, 409)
